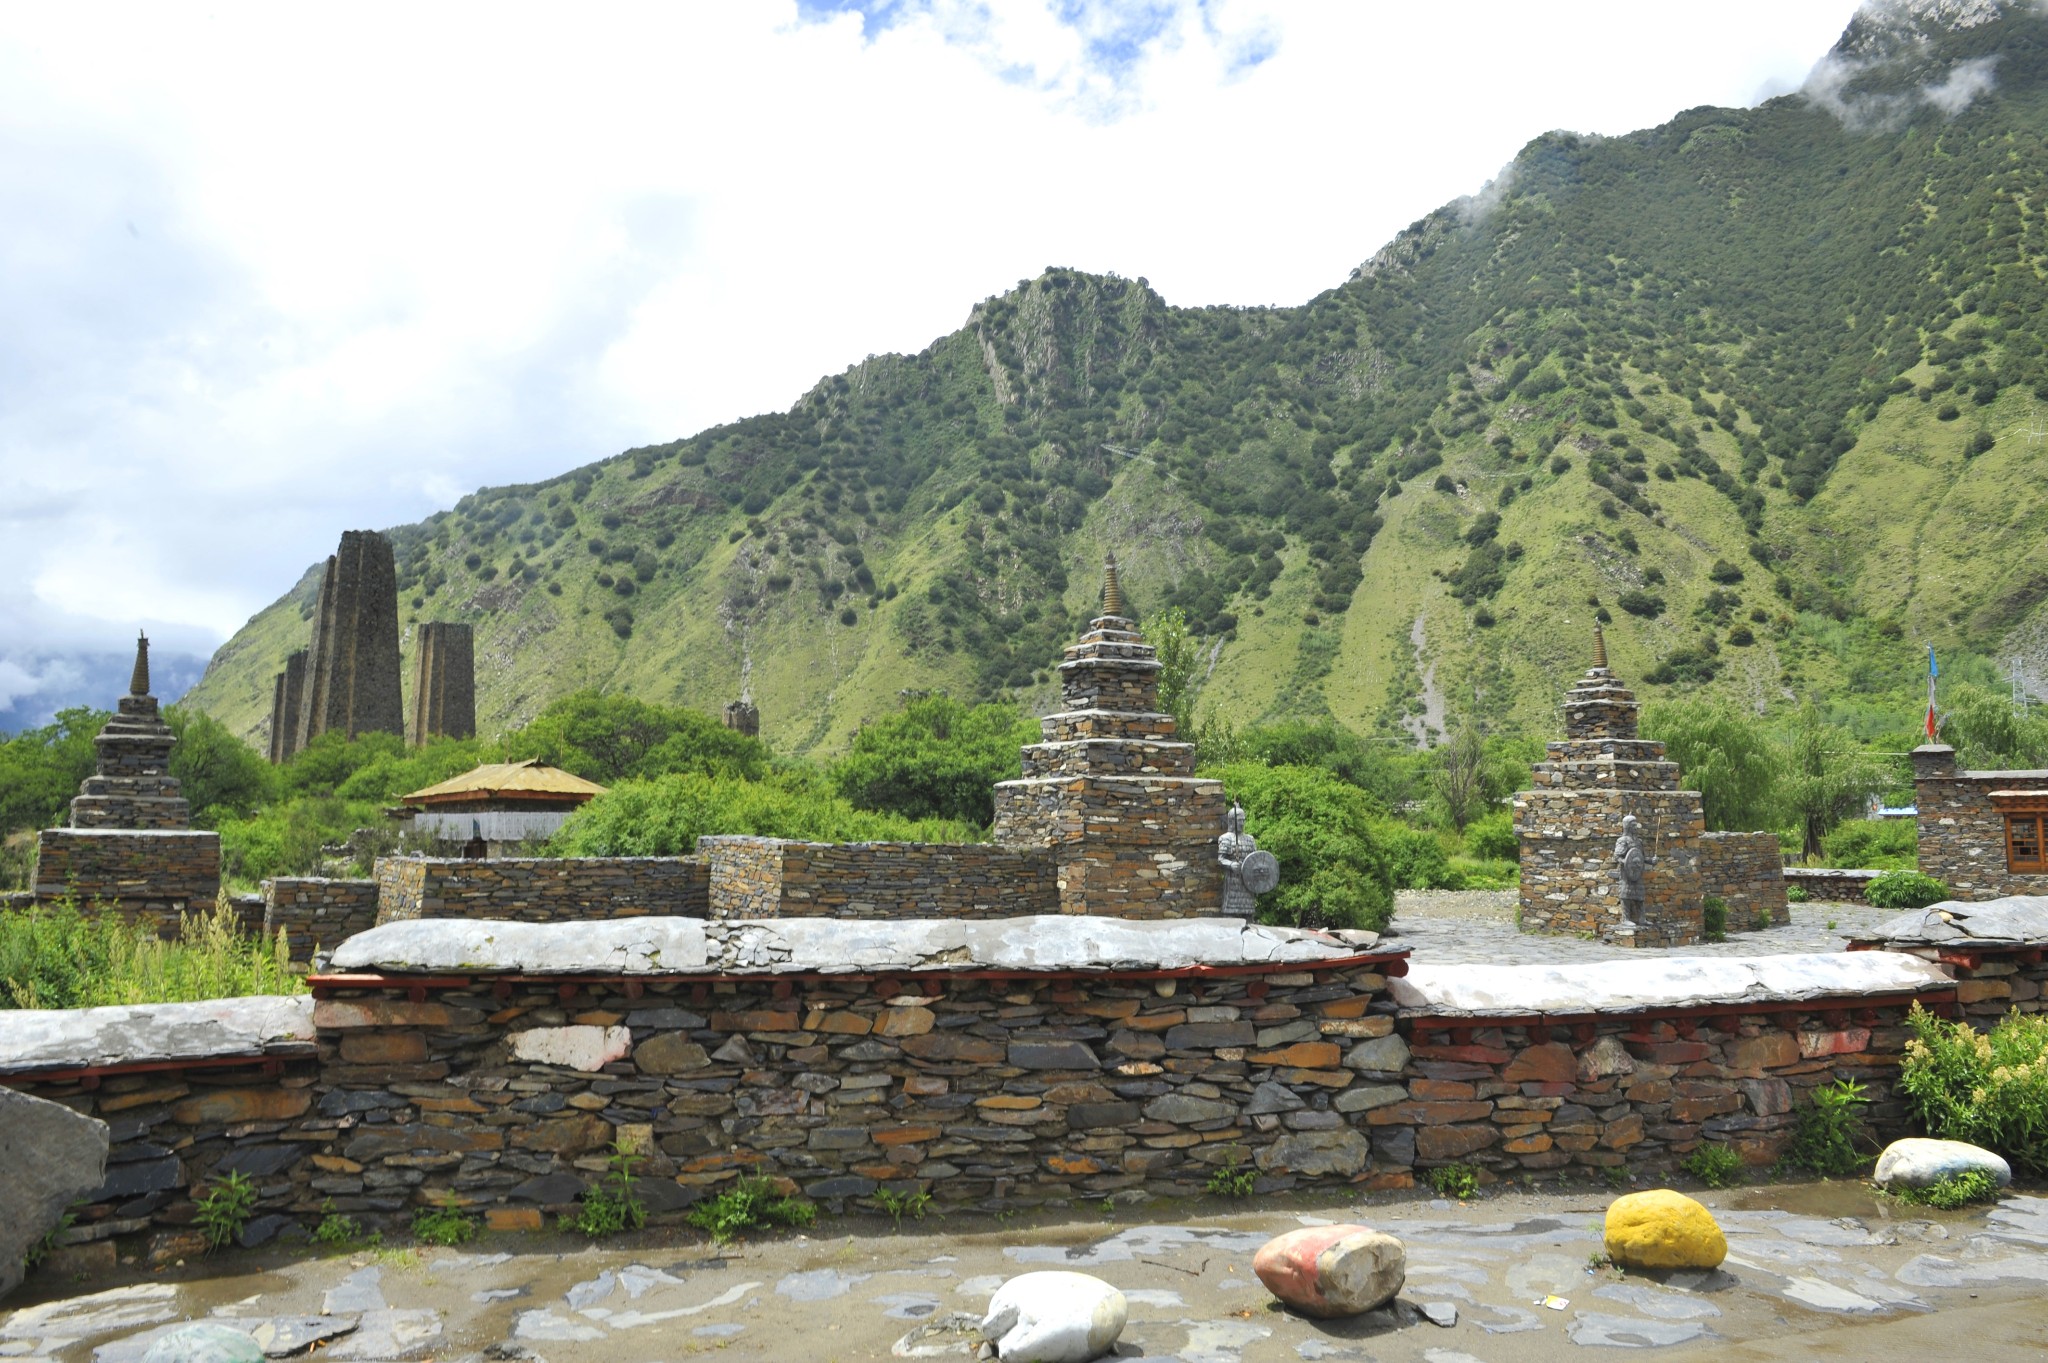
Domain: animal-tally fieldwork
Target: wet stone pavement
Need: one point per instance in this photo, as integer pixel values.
(1477, 927)
(1504, 1278)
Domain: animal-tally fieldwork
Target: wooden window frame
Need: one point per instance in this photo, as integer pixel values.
(2039, 822)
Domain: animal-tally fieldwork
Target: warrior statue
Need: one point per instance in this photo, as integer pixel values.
(1247, 872)
(1629, 863)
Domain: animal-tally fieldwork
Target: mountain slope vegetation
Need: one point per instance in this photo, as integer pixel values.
(1755, 388)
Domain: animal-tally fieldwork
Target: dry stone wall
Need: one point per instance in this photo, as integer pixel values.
(317, 913)
(1747, 871)
(780, 878)
(148, 876)
(541, 889)
(1962, 837)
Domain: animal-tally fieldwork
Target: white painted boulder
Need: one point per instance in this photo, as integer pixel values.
(1054, 1317)
(1918, 1162)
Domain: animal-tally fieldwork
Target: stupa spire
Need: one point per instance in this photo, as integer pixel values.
(1112, 590)
(1599, 648)
(138, 681)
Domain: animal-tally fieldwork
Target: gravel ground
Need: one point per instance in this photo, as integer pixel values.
(1477, 927)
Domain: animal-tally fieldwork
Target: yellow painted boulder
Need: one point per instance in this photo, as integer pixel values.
(1663, 1229)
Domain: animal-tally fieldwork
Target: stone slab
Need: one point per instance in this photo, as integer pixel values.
(645, 946)
(74, 1038)
(2014, 921)
(1665, 982)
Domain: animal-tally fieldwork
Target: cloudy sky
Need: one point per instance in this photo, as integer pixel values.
(271, 272)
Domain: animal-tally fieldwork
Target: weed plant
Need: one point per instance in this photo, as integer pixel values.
(446, 1224)
(1231, 1181)
(225, 1208)
(60, 957)
(610, 1207)
(1713, 1164)
(1989, 1090)
(1714, 918)
(1825, 1141)
(1454, 1180)
(1952, 1192)
(337, 1230)
(900, 1205)
(750, 1204)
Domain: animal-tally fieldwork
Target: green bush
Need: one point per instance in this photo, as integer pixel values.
(1714, 918)
(1493, 838)
(1334, 869)
(1453, 1180)
(58, 957)
(1416, 859)
(1990, 1090)
(1904, 890)
(1873, 844)
(664, 817)
(1796, 894)
(446, 1224)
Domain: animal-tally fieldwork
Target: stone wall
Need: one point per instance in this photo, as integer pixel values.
(315, 912)
(1568, 880)
(1962, 837)
(1829, 882)
(778, 878)
(147, 875)
(541, 889)
(506, 1090)
(1747, 870)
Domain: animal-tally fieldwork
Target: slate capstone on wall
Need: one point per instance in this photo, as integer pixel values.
(1569, 820)
(352, 683)
(444, 682)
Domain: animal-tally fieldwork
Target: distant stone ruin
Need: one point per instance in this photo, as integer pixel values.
(352, 674)
(741, 716)
(444, 682)
(287, 703)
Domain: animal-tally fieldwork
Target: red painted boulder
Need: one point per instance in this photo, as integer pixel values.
(1332, 1271)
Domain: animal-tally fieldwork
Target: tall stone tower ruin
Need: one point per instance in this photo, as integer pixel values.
(1568, 823)
(132, 785)
(1110, 790)
(352, 667)
(287, 704)
(444, 682)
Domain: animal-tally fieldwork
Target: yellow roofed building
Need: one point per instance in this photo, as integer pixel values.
(500, 803)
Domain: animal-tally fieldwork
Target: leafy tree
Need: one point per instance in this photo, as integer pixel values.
(1827, 777)
(40, 769)
(606, 738)
(935, 759)
(218, 774)
(1334, 869)
(1726, 756)
(323, 765)
(1325, 744)
(1989, 734)
(389, 775)
(1180, 659)
(1459, 781)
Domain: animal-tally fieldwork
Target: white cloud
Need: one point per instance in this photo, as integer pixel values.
(272, 272)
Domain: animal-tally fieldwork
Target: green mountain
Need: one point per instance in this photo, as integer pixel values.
(1758, 386)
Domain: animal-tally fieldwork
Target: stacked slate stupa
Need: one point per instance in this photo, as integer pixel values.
(1569, 822)
(132, 787)
(1110, 790)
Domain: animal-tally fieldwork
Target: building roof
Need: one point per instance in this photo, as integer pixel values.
(528, 780)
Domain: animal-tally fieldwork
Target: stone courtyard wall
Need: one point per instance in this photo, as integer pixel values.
(506, 1091)
(1747, 870)
(314, 911)
(541, 889)
(1962, 837)
(148, 875)
(779, 878)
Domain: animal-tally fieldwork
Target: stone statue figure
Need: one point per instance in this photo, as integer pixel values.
(1629, 864)
(1247, 872)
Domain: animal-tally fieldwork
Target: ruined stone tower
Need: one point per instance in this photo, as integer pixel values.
(742, 717)
(132, 786)
(1109, 790)
(444, 683)
(287, 703)
(352, 668)
(1569, 822)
